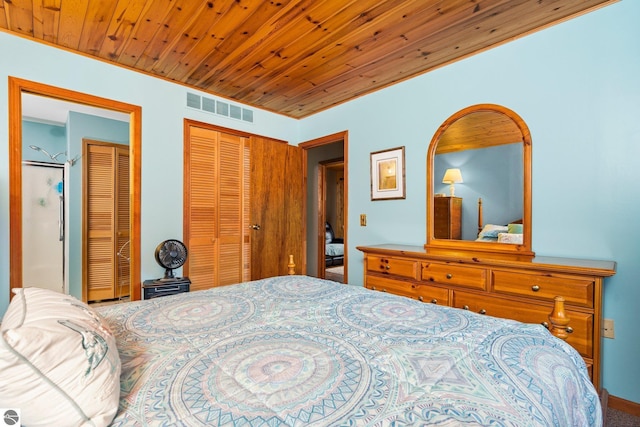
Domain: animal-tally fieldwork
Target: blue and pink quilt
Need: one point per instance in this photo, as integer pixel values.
(301, 351)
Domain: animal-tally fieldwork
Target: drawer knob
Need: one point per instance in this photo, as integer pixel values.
(388, 267)
(420, 298)
(466, 307)
(545, 324)
(449, 275)
(434, 301)
(482, 311)
(535, 288)
(569, 330)
(383, 290)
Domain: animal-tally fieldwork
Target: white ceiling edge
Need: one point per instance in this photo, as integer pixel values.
(55, 111)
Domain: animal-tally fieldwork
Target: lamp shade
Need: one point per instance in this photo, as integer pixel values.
(452, 176)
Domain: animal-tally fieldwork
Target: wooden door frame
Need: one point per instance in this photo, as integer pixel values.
(318, 142)
(16, 87)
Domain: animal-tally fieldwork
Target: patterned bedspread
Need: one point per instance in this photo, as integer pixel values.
(300, 351)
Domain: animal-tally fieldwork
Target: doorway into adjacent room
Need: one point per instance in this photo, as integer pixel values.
(327, 212)
(331, 208)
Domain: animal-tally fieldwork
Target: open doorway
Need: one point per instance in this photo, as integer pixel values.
(21, 94)
(327, 196)
(331, 214)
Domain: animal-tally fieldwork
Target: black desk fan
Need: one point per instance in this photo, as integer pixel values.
(171, 254)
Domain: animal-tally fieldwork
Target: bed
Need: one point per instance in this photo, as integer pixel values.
(300, 351)
(333, 247)
(503, 233)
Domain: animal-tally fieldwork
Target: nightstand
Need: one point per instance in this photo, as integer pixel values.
(155, 288)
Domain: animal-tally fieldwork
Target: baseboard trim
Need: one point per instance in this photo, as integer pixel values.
(604, 402)
(623, 405)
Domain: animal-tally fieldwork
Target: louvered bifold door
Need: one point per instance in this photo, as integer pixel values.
(200, 207)
(215, 199)
(230, 208)
(123, 246)
(99, 222)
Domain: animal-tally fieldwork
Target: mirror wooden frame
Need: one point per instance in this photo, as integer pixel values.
(16, 88)
(473, 248)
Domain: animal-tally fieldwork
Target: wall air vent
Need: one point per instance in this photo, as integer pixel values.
(235, 112)
(209, 105)
(221, 108)
(193, 100)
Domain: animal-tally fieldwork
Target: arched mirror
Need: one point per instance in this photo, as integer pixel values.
(479, 183)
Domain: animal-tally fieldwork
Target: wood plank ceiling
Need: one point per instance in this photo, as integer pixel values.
(291, 57)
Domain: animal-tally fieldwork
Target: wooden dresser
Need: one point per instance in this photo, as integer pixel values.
(447, 213)
(508, 288)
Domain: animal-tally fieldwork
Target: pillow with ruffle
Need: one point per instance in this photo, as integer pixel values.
(58, 361)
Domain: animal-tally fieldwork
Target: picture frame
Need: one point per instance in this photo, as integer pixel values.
(387, 174)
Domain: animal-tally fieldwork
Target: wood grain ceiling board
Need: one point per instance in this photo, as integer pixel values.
(291, 57)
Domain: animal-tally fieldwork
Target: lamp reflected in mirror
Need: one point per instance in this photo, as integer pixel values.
(451, 177)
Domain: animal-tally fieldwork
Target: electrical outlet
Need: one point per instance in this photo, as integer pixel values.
(607, 329)
(363, 220)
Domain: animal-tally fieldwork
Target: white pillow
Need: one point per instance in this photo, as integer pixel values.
(492, 230)
(58, 361)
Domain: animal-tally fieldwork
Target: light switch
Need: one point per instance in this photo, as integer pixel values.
(607, 330)
(363, 220)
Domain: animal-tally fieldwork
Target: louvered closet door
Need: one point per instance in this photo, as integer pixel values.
(122, 220)
(216, 189)
(105, 220)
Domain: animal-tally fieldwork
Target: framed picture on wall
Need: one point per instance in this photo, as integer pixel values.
(387, 174)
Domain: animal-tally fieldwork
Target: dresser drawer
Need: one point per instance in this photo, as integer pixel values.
(447, 274)
(431, 294)
(575, 290)
(396, 287)
(581, 323)
(419, 291)
(395, 266)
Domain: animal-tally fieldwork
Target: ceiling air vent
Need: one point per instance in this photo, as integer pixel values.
(221, 108)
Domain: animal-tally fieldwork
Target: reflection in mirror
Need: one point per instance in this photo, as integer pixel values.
(491, 173)
(479, 182)
(52, 197)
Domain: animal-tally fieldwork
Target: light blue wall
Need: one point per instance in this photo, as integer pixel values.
(163, 112)
(577, 86)
(51, 138)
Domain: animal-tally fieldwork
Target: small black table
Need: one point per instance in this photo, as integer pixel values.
(155, 288)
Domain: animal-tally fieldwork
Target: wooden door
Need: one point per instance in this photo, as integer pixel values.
(105, 220)
(278, 182)
(216, 219)
(122, 222)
